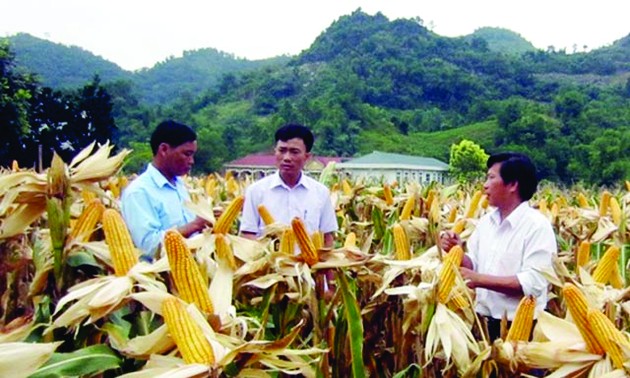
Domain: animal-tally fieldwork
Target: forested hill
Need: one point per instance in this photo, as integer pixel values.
(368, 82)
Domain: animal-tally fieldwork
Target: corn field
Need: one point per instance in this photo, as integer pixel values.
(78, 301)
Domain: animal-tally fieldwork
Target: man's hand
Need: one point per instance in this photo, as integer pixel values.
(449, 239)
(469, 276)
(194, 226)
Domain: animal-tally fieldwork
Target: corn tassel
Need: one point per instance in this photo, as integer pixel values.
(309, 252)
(608, 336)
(187, 335)
(387, 193)
(582, 200)
(224, 223)
(189, 281)
(583, 255)
(265, 215)
(401, 243)
(474, 203)
(446, 281)
(405, 214)
(604, 203)
(224, 251)
(123, 252)
(287, 242)
(86, 223)
(351, 240)
(606, 264)
(455, 255)
(523, 321)
(615, 211)
(318, 239)
(578, 308)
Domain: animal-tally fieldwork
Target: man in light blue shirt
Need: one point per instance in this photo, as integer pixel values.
(154, 201)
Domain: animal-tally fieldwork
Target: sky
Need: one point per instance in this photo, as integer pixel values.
(139, 33)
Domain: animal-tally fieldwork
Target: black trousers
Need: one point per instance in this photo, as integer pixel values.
(494, 327)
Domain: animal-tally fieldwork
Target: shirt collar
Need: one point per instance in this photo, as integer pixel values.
(515, 216)
(158, 178)
(277, 181)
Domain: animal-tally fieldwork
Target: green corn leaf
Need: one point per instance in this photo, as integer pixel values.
(352, 313)
(87, 361)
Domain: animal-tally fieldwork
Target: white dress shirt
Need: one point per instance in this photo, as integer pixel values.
(521, 245)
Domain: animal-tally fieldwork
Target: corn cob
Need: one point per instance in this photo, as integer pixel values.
(458, 301)
(582, 201)
(387, 193)
(628, 185)
(401, 243)
(446, 280)
(309, 252)
(452, 214)
(123, 252)
(345, 186)
(87, 196)
(542, 206)
(405, 214)
(187, 276)
(224, 223)
(604, 203)
(188, 336)
(474, 203)
(615, 211)
(265, 215)
(318, 239)
(523, 321)
(455, 255)
(430, 198)
(86, 223)
(604, 268)
(351, 240)
(554, 212)
(578, 308)
(608, 336)
(224, 251)
(210, 185)
(287, 242)
(232, 185)
(583, 255)
(484, 202)
(459, 226)
(616, 279)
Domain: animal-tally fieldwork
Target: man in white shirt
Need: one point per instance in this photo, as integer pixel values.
(510, 245)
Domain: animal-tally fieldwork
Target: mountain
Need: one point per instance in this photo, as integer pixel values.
(502, 40)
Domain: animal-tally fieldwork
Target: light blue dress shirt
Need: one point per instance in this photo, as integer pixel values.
(150, 206)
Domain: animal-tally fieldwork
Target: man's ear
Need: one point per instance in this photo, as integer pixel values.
(513, 187)
(163, 148)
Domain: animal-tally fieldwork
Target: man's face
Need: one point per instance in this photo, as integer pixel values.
(180, 159)
(291, 156)
(494, 187)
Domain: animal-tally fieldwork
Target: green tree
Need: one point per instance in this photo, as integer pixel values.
(467, 161)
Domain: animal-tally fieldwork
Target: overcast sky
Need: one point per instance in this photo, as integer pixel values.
(140, 33)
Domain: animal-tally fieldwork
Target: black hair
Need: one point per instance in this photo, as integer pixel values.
(519, 168)
(172, 133)
(292, 130)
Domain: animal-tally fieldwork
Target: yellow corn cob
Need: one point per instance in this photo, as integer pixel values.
(86, 223)
(616, 279)
(561, 202)
(608, 336)
(345, 186)
(604, 203)
(484, 202)
(87, 196)
(615, 211)
(309, 252)
(452, 214)
(232, 186)
(430, 198)
(189, 281)
(387, 193)
(351, 240)
(578, 308)
(523, 321)
(265, 215)
(604, 268)
(405, 214)
(459, 226)
(582, 201)
(401, 243)
(187, 335)
(224, 251)
(318, 239)
(474, 203)
(458, 301)
(455, 255)
(224, 223)
(542, 206)
(123, 253)
(628, 185)
(554, 212)
(210, 185)
(287, 242)
(583, 255)
(446, 280)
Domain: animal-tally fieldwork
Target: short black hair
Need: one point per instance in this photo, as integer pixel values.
(516, 167)
(293, 130)
(172, 133)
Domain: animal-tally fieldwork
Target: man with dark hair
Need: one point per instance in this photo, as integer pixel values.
(510, 245)
(290, 193)
(154, 201)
